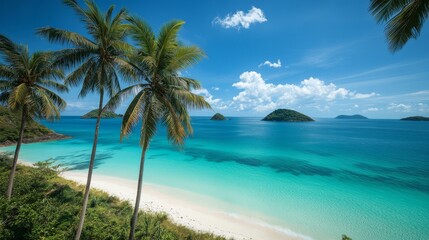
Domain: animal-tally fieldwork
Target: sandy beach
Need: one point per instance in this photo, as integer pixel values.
(176, 203)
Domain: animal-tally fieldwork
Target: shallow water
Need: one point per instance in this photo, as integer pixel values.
(368, 179)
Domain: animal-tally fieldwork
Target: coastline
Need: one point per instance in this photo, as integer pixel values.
(46, 138)
(183, 208)
(177, 205)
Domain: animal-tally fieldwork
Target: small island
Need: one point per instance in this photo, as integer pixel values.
(287, 115)
(356, 116)
(33, 132)
(218, 117)
(416, 118)
(104, 114)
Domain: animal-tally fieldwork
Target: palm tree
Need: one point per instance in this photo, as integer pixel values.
(98, 62)
(161, 94)
(404, 19)
(26, 84)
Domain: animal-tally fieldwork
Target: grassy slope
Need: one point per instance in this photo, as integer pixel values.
(46, 206)
(9, 128)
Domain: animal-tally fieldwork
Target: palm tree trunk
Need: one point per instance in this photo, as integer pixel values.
(15, 158)
(139, 192)
(91, 166)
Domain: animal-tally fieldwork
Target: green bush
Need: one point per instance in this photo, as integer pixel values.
(45, 206)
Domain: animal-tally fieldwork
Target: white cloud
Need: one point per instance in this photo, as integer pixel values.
(80, 105)
(373, 109)
(364, 95)
(216, 88)
(356, 106)
(258, 95)
(241, 19)
(421, 107)
(214, 102)
(399, 107)
(270, 64)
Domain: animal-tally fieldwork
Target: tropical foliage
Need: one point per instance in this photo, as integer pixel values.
(404, 19)
(98, 61)
(161, 94)
(26, 84)
(47, 206)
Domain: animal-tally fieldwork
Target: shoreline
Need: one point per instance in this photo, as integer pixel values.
(183, 208)
(178, 207)
(46, 138)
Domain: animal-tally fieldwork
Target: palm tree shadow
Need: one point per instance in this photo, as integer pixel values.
(81, 161)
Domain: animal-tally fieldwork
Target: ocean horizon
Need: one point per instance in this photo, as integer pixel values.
(368, 179)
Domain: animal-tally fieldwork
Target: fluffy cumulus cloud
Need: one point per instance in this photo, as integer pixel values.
(241, 19)
(214, 102)
(259, 95)
(399, 107)
(277, 64)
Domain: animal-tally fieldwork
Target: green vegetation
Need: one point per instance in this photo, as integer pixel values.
(416, 118)
(163, 96)
(26, 85)
(46, 206)
(218, 117)
(356, 116)
(33, 131)
(404, 19)
(287, 115)
(104, 114)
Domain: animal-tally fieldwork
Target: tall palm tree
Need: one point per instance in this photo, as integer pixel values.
(98, 62)
(404, 19)
(26, 84)
(161, 95)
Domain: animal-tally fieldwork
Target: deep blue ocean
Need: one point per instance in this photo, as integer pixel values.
(368, 179)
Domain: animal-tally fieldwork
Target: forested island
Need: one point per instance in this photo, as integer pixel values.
(416, 118)
(287, 115)
(104, 114)
(356, 116)
(218, 117)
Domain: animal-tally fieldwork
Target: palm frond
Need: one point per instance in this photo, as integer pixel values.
(167, 42)
(6, 72)
(149, 122)
(53, 97)
(124, 94)
(406, 24)
(66, 37)
(142, 34)
(404, 18)
(54, 85)
(385, 9)
(76, 77)
(18, 96)
(184, 57)
(132, 114)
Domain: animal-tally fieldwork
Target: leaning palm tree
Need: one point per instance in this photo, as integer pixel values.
(26, 84)
(161, 95)
(98, 62)
(404, 19)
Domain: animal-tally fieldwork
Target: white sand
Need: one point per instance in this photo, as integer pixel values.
(176, 203)
(183, 208)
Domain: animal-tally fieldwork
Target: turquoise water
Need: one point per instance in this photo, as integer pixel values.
(368, 179)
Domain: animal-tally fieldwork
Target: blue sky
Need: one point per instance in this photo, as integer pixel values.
(322, 58)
